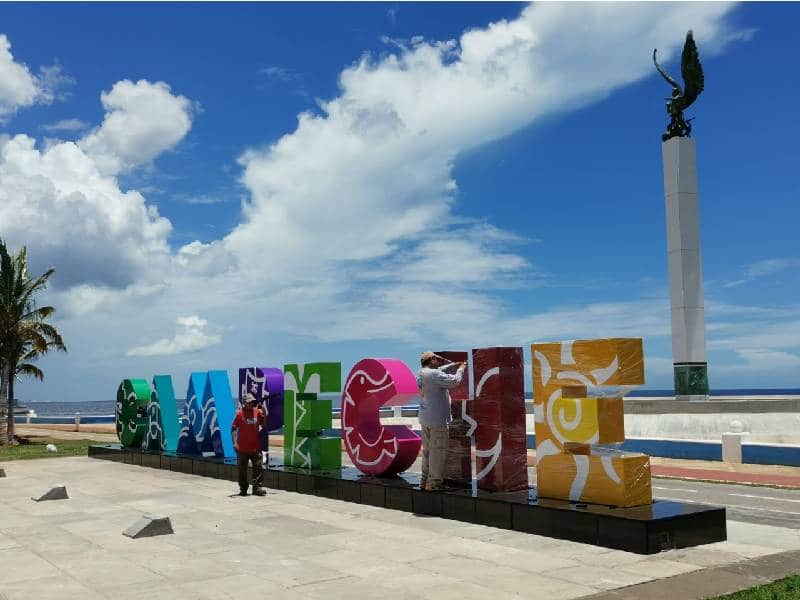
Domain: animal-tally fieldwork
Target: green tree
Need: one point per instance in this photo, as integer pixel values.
(25, 334)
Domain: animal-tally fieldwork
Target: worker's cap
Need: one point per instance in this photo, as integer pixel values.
(427, 355)
(248, 398)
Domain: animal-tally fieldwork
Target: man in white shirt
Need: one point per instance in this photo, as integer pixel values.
(434, 415)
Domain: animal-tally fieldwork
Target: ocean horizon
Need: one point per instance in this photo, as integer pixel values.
(54, 408)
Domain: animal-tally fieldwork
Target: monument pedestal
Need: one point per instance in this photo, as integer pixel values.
(685, 270)
(648, 529)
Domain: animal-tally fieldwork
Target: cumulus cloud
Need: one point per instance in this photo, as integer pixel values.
(18, 87)
(364, 192)
(142, 120)
(67, 192)
(350, 229)
(192, 335)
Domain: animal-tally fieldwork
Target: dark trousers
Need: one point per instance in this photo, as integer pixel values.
(242, 458)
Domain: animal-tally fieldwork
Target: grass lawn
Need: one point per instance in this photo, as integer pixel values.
(38, 449)
(783, 589)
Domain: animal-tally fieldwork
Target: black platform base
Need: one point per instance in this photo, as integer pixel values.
(663, 525)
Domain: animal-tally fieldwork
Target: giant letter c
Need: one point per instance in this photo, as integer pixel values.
(377, 449)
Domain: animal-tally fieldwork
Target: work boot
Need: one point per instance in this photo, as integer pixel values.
(259, 492)
(243, 492)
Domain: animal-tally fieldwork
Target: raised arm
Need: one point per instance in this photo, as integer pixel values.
(447, 381)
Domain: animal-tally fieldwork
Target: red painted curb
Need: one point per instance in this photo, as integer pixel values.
(727, 476)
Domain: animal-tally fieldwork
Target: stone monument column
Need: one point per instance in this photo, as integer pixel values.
(685, 272)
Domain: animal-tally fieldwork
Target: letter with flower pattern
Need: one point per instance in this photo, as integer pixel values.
(571, 428)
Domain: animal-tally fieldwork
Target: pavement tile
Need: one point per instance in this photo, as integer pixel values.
(22, 565)
(410, 579)
(395, 550)
(237, 587)
(162, 590)
(599, 577)
(290, 572)
(503, 578)
(526, 560)
(47, 588)
(350, 562)
(657, 568)
(704, 556)
(56, 542)
(176, 569)
(101, 569)
(347, 588)
(744, 550)
(465, 590)
(302, 546)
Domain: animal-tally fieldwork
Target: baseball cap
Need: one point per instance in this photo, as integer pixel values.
(427, 355)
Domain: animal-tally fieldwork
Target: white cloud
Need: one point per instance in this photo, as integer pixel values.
(18, 87)
(142, 120)
(67, 193)
(770, 334)
(190, 337)
(66, 125)
(52, 83)
(378, 162)
(764, 268)
(351, 231)
(278, 73)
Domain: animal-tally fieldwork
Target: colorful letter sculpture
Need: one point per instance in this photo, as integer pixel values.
(133, 396)
(458, 470)
(306, 416)
(266, 384)
(155, 424)
(154, 433)
(498, 413)
(569, 425)
(217, 400)
(374, 448)
(187, 444)
(163, 395)
(202, 416)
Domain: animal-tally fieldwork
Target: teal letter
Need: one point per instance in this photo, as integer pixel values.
(164, 396)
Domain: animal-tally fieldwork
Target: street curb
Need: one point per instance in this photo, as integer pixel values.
(710, 582)
(776, 486)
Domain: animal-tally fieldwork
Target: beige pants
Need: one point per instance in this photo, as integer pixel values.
(434, 454)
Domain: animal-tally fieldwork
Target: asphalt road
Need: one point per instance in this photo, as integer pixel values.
(750, 504)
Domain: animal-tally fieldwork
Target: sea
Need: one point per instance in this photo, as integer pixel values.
(106, 407)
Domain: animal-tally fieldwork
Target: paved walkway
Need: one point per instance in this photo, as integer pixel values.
(99, 433)
(296, 546)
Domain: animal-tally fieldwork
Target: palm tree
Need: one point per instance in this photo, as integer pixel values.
(25, 334)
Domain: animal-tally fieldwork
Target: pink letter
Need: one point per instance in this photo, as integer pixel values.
(377, 449)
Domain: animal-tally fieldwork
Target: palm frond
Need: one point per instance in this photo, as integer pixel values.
(30, 370)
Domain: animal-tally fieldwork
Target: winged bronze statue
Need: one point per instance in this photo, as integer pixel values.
(692, 73)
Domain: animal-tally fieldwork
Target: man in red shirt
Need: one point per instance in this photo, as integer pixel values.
(245, 432)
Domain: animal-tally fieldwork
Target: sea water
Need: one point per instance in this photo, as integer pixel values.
(106, 407)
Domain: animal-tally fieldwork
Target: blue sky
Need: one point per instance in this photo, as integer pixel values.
(500, 189)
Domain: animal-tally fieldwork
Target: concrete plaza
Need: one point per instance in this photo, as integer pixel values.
(289, 545)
